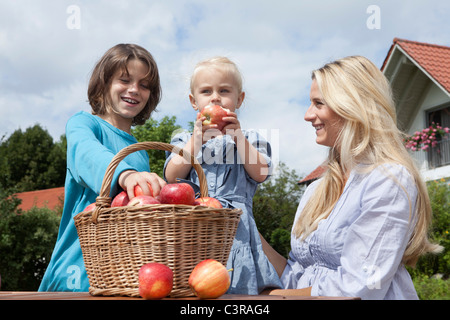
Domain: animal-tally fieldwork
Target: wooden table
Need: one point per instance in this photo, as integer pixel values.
(29, 295)
(228, 306)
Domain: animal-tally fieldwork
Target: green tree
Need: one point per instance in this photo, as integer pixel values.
(274, 207)
(26, 243)
(30, 160)
(161, 131)
(56, 171)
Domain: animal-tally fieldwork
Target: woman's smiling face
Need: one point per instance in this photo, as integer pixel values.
(327, 123)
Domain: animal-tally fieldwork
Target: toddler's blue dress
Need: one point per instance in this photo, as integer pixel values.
(229, 182)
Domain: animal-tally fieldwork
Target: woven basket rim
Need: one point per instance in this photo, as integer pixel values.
(104, 200)
(150, 209)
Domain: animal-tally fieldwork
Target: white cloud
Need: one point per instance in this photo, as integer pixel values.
(45, 66)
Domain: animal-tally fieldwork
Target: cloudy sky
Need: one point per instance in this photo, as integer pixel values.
(49, 47)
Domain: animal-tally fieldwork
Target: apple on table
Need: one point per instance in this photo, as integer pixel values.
(209, 279)
(155, 281)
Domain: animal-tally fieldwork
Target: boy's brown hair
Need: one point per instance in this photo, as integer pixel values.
(115, 59)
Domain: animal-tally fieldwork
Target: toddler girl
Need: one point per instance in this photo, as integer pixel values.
(234, 162)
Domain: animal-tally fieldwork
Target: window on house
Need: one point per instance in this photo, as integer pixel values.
(439, 155)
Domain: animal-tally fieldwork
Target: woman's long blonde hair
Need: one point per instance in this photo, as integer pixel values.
(357, 90)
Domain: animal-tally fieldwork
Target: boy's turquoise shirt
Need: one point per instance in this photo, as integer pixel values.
(91, 145)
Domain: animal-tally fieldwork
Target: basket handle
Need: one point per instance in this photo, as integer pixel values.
(104, 200)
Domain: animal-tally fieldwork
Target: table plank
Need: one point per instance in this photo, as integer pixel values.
(31, 295)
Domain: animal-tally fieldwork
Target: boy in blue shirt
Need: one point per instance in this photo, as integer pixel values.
(123, 91)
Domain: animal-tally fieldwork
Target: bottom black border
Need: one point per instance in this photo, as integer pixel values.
(215, 309)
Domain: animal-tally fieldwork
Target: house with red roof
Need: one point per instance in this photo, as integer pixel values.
(51, 198)
(419, 74)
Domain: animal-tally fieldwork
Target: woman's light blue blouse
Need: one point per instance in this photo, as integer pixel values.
(357, 250)
(91, 145)
(229, 182)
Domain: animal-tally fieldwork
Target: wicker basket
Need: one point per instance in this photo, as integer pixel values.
(116, 242)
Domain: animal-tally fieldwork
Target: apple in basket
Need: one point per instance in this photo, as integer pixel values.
(208, 202)
(214, 115)
(209, 279)
(120, 200)
(177, 193)
(143, 200)
(138, 190)
(155, 281)
(90, 207)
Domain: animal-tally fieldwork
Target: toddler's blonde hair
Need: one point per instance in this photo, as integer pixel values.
(221, 63)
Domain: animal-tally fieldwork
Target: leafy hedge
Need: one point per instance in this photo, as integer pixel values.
(432, 272)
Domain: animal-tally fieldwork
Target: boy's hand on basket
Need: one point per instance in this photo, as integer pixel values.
(130, 178)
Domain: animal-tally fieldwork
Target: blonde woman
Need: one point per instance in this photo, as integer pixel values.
(359, 225)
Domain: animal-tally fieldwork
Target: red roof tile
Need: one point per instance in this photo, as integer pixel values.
(316, 174)
(434, 59)
(50, 198)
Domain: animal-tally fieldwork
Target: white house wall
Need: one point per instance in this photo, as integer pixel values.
(434, 98)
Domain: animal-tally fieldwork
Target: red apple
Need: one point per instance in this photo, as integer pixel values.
(120, 200)
(214, 115)
(138, 190)
(143, 200)
(209, 279)
(177, 193)
(208, 202)
(90, 207)
(155, 281)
